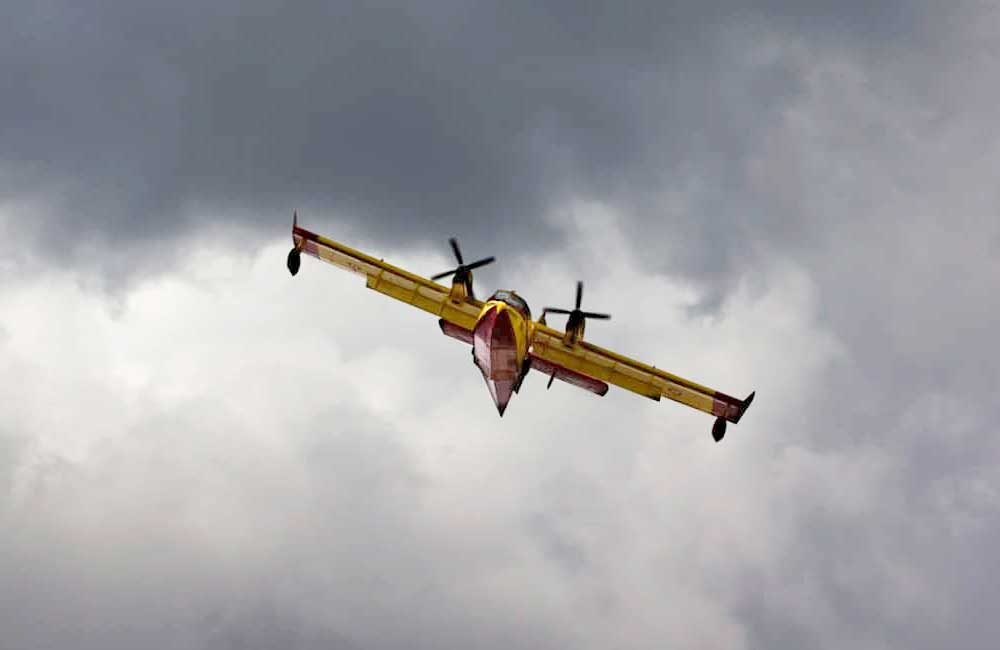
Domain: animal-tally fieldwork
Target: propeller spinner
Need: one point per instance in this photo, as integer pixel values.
(462, 272)
(577, 317)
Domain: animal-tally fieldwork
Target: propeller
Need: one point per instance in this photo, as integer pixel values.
(576, 316)
(462, 271)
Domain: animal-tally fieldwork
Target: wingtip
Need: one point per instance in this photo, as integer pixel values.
(744, 405)
(295, 218)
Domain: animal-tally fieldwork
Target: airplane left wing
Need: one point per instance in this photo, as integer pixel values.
(392, 281)
(607, 366)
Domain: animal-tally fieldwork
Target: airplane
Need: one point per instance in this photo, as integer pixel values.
(507, 343)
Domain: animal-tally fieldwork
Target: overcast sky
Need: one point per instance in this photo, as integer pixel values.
(197, 450)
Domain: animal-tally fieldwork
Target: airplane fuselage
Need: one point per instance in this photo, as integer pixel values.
(500, 342)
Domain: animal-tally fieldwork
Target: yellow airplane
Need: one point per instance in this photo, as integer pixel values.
(507, 343)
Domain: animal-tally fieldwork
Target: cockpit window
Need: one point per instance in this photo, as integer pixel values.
(514, 300)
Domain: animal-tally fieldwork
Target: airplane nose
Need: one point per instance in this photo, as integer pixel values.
(501, 392)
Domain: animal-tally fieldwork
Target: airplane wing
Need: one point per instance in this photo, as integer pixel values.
(605, 366)
(390, 280)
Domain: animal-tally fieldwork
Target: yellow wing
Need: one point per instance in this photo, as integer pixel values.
(604, 365)
(451, 305)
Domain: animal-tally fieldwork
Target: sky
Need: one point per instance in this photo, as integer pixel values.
(797, 198)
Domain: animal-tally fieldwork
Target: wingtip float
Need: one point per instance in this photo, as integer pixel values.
(294, 255)
(507, 343)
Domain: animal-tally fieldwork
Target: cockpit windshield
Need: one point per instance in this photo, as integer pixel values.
(514, 300)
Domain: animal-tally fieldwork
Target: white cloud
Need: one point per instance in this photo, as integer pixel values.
(324, 451)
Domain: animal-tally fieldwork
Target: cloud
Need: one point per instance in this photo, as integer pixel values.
(290, 479)
(239, 457)
(133, 121)
(197, 450)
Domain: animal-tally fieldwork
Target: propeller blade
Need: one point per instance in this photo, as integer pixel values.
(482, 262)
(590, 314)
(454, 247)
(461, 272)
(555, 310)
(579, 293)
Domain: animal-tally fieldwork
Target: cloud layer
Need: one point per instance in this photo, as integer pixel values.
(140, 119)
(197, 451)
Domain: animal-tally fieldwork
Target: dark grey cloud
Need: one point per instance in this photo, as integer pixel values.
(130, 120)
